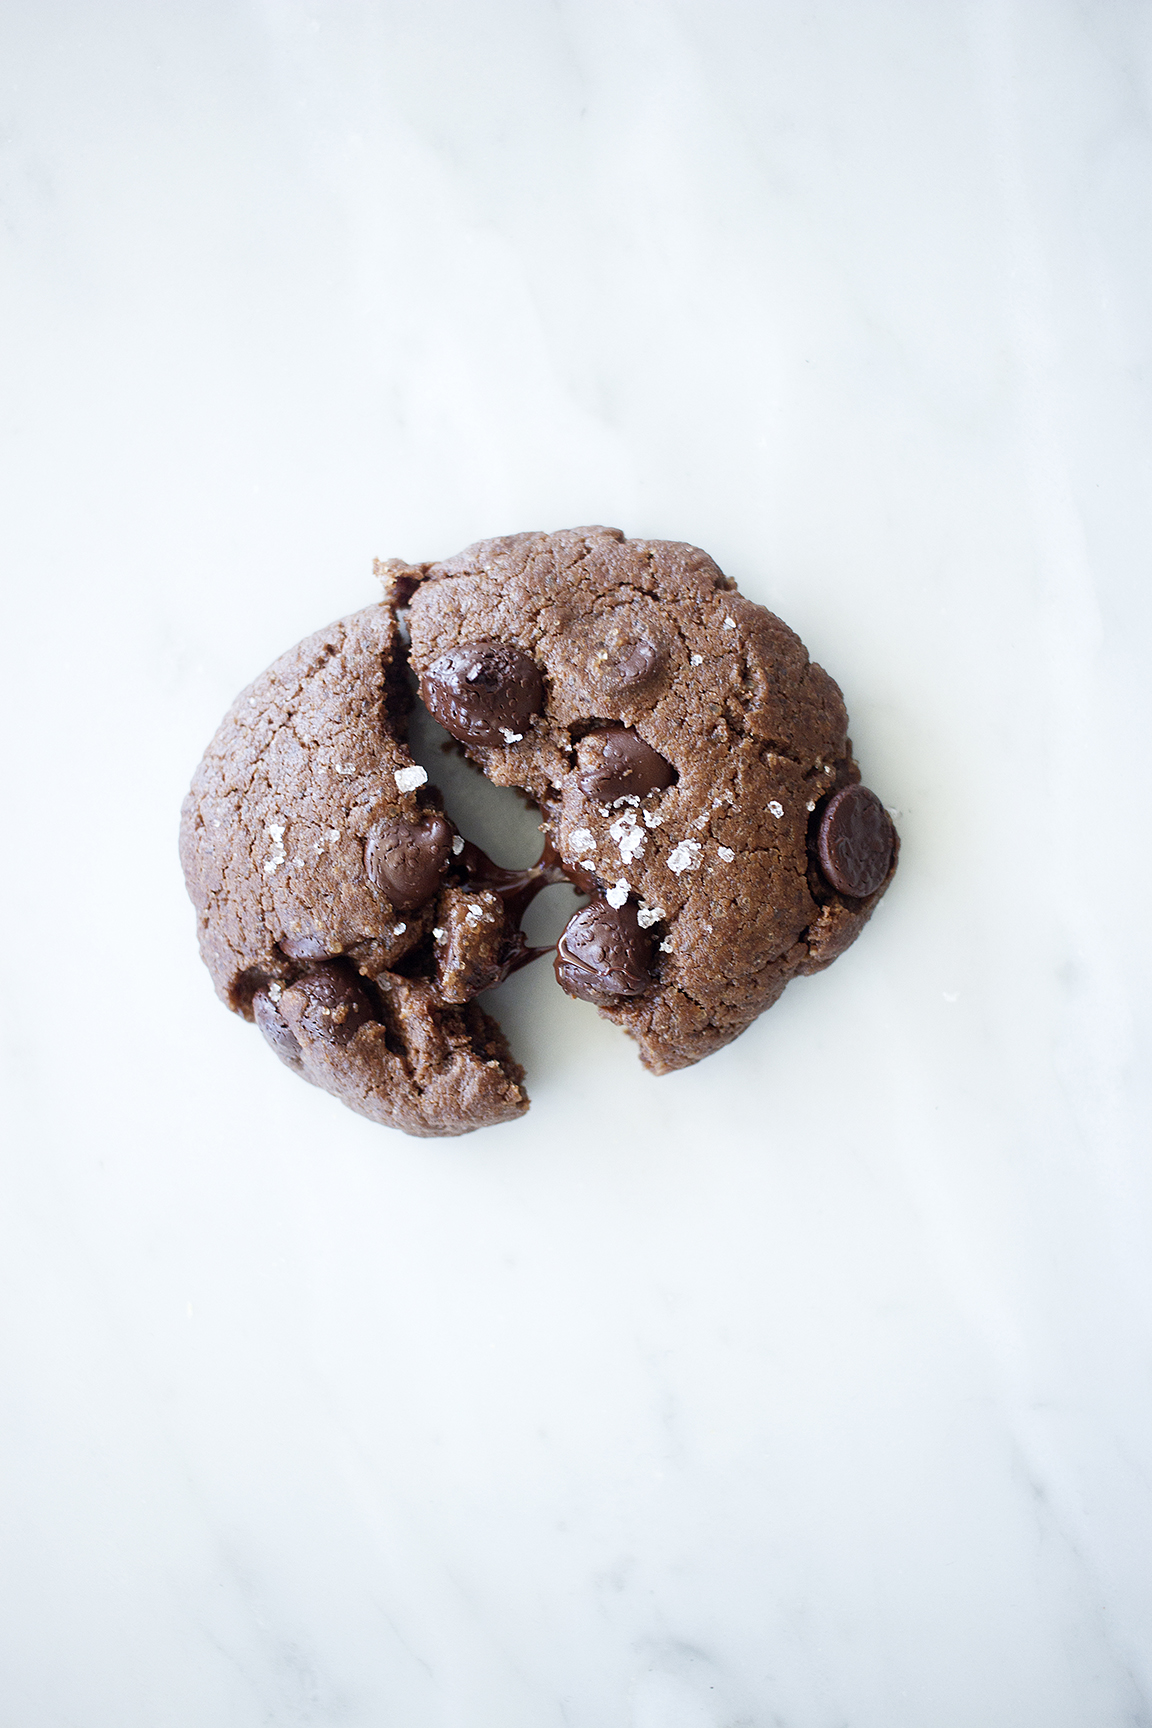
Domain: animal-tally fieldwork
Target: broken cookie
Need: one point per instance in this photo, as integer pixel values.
(691, 766)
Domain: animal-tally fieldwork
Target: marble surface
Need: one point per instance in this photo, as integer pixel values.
(809, 1388)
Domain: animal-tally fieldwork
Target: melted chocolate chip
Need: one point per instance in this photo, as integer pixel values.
(616, 763)
(277, 1030)
(405, 860)
(855, 840)
(336, 1006)
(604, 953)
(635, 664)
(483, 691)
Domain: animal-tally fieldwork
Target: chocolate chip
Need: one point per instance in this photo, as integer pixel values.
(635, 664)
(483, 691)
(277, 1030)
(603, 953)
(854, 843)
(616, 763)
(405, 860)
(335, 1005)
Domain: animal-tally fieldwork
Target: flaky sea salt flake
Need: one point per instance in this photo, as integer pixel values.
(618, 895)
(776, 808)
(407, 779)
(581, 841)
(277, 855)
(685, 856)
(726, 853)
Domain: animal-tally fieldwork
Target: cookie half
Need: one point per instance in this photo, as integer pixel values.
(318, 859)
(692, 765)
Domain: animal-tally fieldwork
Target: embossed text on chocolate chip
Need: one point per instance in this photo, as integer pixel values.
(855, 841)
(405, 860)
(604, 953)
(484, 692)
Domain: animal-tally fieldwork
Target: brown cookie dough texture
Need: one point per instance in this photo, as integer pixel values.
(296, 806)
(718, 862)
(694, 775)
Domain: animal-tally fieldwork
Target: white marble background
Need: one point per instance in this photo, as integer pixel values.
(807, 1389)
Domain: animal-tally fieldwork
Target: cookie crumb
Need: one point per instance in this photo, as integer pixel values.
(776, 807)
(618, 895)
(685, 856)
(407, 779)
(726, 853)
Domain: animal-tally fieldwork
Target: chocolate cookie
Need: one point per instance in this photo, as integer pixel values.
(326, 878)
(692, 765)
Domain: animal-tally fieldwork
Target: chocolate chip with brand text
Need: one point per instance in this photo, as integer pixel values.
(483, 691)
(854, 843)
(277, 1030)
(616, 763)
(405, 860)
(335, 1005)
(604, 953)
